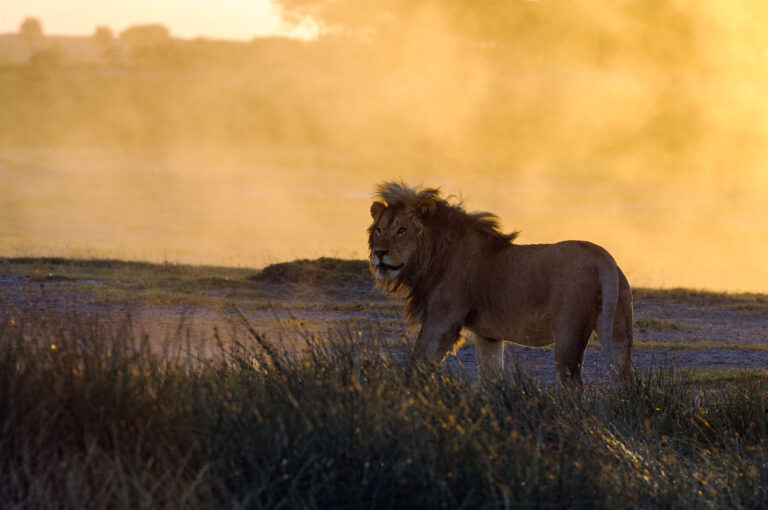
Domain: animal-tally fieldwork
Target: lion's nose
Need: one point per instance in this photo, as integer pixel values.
(380, 253)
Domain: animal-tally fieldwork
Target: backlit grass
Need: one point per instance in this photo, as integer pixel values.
(93, 417)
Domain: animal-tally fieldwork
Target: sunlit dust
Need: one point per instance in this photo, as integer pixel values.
(641, 126)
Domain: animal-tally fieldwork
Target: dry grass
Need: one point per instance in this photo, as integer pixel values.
(734, 300)
(93, 417)
(644, 324)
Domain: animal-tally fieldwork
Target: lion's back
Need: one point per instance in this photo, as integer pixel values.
(527, 276)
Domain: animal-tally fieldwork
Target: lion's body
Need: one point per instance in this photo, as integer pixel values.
(460, 272)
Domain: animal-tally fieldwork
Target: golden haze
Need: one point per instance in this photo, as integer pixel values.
(641, 126)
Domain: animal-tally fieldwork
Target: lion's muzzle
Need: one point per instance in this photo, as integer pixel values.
(385, 268)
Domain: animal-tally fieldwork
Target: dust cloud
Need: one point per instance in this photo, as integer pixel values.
(639, 125)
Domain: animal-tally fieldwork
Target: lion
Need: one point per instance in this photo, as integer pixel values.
(459, 271)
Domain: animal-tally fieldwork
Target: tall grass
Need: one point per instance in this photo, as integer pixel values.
(93, 415)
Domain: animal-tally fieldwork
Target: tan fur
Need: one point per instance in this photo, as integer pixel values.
(458, 271)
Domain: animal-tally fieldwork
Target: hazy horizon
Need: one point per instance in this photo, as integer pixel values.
(189, 19)
(641, 126)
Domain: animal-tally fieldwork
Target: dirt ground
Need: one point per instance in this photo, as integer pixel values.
(684, 329)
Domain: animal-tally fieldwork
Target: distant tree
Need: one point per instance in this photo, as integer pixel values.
(145, 35)
(153, 45)
(103, 36)
(31, 29)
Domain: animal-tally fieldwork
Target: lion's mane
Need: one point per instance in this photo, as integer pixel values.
(445, 226)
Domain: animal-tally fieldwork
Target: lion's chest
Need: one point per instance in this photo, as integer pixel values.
(529, 327)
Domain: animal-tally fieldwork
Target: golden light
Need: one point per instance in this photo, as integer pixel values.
(641, 126)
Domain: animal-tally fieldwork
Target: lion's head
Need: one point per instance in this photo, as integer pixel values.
(398, 228)
(413, 235)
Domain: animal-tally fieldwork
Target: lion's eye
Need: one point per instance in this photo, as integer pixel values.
(401, 231)
(378, 230)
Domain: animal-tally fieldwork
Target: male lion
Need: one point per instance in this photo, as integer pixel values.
(459, 271)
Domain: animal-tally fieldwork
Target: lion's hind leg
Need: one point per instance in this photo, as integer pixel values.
(570, 344)
(490, 358)
(622, 331)
(618, 351)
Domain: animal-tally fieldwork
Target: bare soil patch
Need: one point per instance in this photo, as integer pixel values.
(673, 328)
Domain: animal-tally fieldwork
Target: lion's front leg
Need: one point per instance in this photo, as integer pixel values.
(435, 340)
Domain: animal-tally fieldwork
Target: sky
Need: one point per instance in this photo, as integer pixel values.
(220, 19)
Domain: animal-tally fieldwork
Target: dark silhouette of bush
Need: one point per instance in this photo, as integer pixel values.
(318, 272)
(103, 36)
(31, 29)
(145, 35)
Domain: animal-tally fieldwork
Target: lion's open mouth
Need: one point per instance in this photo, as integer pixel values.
(387, 267)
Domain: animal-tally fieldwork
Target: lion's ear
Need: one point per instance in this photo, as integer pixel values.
(425, 208)
(377, 208)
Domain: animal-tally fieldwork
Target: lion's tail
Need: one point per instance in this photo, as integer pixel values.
(609, 287)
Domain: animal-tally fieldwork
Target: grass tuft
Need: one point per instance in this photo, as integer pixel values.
(644, 324)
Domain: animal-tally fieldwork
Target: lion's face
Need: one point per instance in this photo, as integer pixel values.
(393, 240)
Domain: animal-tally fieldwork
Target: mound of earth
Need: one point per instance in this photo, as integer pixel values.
(318, 272)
